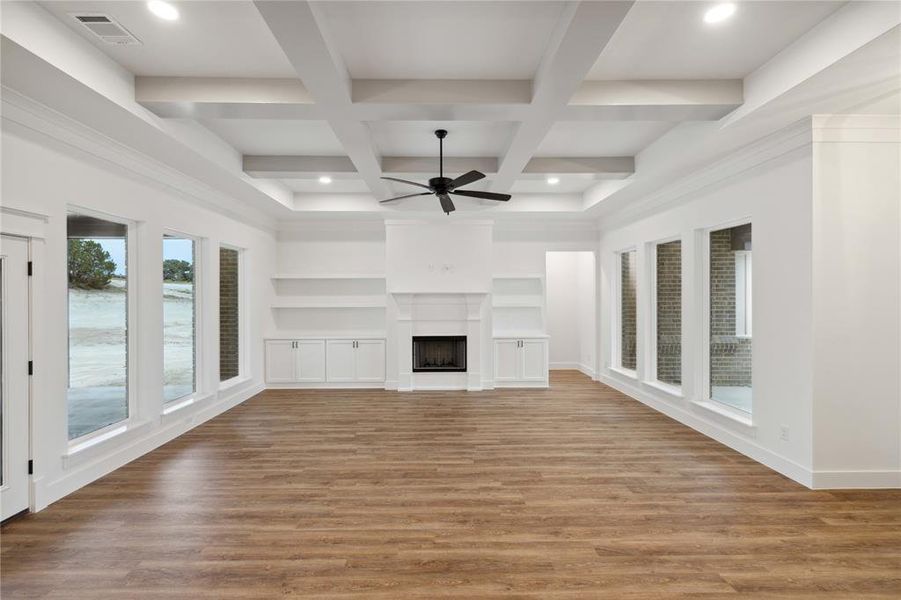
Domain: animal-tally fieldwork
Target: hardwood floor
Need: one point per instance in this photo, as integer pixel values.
(573, 492)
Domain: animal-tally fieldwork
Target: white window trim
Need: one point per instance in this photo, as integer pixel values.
(132, 259)
(705, 401)
(199, 386)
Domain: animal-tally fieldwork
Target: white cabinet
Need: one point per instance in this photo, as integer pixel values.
(280, 361)
(520, 362)
(340, 360)
(534, 360)
(369, 360)
(506, 360)
(293, 361)
(355, 361)
(309, 364)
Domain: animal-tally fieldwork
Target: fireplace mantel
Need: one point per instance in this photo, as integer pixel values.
(443, 313)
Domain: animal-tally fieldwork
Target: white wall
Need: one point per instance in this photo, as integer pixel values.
(770, 186)
(453, 257)
(571, 321)
(44, 176)
(823, 198)
(857, 295)
(588, 312)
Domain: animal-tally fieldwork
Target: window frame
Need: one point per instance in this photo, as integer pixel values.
(617, 305)
(651, 366)
(705, 397)
(242, 317)
(133, 417)
(199, 387)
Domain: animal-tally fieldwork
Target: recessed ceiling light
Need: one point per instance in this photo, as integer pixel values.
(553, 180)
(163, 10)
(719, 12)
(325, 180)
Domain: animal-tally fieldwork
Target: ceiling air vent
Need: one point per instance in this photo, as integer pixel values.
(107, 29)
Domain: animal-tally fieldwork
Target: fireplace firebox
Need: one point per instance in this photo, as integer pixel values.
(439, 353)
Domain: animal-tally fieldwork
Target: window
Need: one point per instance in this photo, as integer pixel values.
(97, 393)
(730, 316)
(668, 305)
(179, 318)
(229, 317)
(628, 310)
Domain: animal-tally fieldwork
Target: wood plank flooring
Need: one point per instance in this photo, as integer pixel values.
(572, 492)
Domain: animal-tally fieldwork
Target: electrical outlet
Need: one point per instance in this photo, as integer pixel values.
(783, 433)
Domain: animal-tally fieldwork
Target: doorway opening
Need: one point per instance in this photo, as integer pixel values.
(571, 281)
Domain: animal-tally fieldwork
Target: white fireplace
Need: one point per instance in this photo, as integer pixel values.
(444, 314)
(438, 281)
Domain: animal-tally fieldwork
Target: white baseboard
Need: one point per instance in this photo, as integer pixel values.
(713, 430)
(46, 493)
(573, 366)
(323, 385)
(565, 366)
(849, 480)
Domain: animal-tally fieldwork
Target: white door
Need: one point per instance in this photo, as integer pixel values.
(370, 360)
(13, 376)
(310, 357)
(339, 360)
(280, 361)
(534, 360)
(506, 360)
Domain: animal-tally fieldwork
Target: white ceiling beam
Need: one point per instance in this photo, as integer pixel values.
(436, 100)
(297, 167)
(290, 167)
(304, 41)
(848, 29)
(429, 164)
(606, 167)
(442, 91)
(225, 98)
(583, 31)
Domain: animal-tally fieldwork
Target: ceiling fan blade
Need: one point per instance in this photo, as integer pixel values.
(407, 196)
(466, 179)
(446, 205)
(407, 182)
(483, 195)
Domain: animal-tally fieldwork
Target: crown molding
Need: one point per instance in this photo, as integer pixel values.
(28, 116)
(714, 174)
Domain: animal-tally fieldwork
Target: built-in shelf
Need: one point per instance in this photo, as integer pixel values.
(330, 302)
(328, 276)
(331, 335)
(523, 301)
(519, 334)
(518, 276)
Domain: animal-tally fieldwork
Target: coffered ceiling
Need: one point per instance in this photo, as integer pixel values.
(553, 100)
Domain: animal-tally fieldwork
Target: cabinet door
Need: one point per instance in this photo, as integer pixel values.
(310, 360)
(280, 361)
(339, 361)
(506, 360)
(534, 360)
(370, 360)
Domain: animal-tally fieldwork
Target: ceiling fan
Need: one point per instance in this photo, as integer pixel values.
(444, 187)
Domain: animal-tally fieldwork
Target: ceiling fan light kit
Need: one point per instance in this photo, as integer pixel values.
(445, 187)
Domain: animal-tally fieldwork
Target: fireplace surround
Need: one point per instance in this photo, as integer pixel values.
(439, 353)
